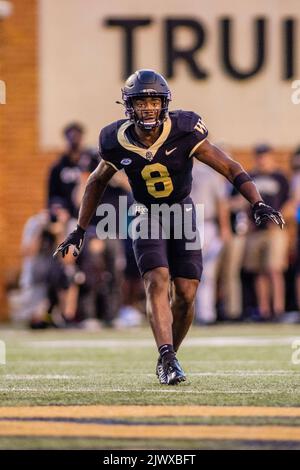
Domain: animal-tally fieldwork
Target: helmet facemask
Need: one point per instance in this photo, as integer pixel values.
(161, 115)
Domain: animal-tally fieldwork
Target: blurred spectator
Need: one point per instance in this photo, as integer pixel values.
(65, 174)
(133, 293)
(267, 245)
(43, 280)
(295, 194)
(233, 256)
(209, 189)
(99, 288)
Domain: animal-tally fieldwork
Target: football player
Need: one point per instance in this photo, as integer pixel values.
(156, 148)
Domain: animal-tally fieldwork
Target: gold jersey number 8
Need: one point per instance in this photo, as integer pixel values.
(152, 181)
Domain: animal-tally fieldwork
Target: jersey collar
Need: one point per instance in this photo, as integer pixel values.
(143, 152)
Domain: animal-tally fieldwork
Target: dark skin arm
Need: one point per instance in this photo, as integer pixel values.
(214, 157)
(95, 187)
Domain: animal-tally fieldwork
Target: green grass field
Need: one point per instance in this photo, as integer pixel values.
(227, 366)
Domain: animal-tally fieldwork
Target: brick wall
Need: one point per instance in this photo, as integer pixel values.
(23, 167)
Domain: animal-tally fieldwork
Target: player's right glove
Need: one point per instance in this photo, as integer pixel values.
(76, 238)
(263, 213)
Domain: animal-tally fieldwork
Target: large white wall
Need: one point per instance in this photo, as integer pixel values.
(81, 63)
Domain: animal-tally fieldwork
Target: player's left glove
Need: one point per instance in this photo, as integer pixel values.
(76, 239)
(263, 213)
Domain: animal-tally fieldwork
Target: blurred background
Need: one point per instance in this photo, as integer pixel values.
(62, 65)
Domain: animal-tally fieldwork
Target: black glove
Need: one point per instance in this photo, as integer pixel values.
(75, 238)
(262, 213)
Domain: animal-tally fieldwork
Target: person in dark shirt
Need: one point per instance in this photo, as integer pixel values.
(65, 174)
(266, 249)
(270, 181)
(155, 148)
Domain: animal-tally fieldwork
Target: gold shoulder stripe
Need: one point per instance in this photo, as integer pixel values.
(111, 164)
(195, 148)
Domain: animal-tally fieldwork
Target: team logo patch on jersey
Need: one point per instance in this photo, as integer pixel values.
(126, 161)
(149, 156)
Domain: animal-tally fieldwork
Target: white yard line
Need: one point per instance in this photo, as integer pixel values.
(96, 363)
(191, 342)
(180, 390)
(254, 373)
(58, 363)
(233, 373)
(235, 361)
(43, 377)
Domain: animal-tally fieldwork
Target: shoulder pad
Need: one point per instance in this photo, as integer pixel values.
(186, 120)
(108, 136)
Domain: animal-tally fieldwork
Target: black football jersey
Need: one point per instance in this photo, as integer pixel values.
(161, 173)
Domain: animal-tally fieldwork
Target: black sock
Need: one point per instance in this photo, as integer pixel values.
(166, 351)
